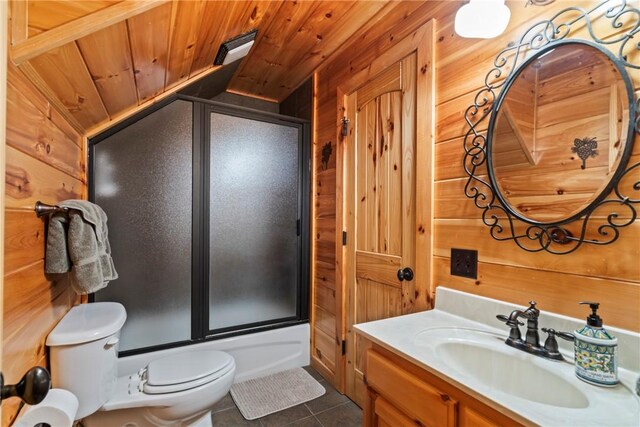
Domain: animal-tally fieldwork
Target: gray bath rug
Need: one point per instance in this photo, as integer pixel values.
(263, 396)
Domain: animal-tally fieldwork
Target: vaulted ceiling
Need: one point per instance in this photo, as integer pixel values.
(101, 60)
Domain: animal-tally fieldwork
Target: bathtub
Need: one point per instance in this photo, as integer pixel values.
(256, 355)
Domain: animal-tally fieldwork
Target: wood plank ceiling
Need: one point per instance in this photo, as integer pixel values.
(100, 73)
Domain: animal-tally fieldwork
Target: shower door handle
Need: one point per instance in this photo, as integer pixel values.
(405, 274)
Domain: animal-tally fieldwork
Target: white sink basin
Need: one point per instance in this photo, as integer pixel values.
(511, 375)
(485, 358)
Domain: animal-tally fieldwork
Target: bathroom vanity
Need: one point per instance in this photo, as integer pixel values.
(451, 367)
(400, 393)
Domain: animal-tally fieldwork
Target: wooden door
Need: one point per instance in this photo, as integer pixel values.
(380, 201)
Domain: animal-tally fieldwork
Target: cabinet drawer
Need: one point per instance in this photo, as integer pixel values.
(411, 395)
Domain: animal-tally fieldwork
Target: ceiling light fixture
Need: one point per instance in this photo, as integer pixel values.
(482, 19)
(235, 48)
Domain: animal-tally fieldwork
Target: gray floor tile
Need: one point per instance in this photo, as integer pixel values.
(231, 418)
(330, 399)
(331, 409)
(306, 422)
(346, 415)
(286, 416)
(313, 373)
(225, 403)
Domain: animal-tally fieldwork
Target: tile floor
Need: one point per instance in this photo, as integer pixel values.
(329, 410)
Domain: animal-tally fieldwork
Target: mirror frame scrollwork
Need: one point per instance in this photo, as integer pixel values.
(503, 221)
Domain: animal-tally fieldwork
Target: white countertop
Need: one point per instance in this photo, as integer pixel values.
(617, 406)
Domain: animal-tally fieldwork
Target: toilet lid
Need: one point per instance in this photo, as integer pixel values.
(185, 370)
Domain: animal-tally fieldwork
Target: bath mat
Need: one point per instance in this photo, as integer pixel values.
(263, 396)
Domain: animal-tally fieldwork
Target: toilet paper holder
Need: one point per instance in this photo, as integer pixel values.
(32, 387)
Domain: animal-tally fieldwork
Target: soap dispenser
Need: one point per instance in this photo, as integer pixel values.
(596, 351)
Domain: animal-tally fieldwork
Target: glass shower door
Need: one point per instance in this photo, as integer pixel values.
(143, 180)
(254, 228)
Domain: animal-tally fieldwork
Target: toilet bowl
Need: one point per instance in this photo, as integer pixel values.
(177, 390)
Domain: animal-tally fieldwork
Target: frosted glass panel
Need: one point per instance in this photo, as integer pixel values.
(143, 180)
(253, 251)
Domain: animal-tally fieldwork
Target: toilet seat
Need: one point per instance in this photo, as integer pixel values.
(184, 371)
(130, 389)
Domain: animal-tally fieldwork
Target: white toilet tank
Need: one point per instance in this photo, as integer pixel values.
(84, 353)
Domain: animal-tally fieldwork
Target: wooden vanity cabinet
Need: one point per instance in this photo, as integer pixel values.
(401, 394)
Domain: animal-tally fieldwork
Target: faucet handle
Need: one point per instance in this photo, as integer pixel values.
(509, 322)
(564, 335)
(551, 345)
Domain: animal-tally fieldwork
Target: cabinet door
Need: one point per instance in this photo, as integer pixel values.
(388, 415)
(471, 418)
(412, 396)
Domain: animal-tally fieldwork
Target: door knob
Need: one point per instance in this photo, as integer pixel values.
(32, 387)
(405, 274)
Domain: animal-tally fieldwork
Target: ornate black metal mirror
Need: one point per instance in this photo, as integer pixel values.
(556, 167)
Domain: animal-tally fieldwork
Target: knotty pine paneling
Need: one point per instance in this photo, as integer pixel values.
(31, 132)
(158, 49)
(301, 43)
(23, 239)
(556, 291)
(31, 93)
(45, 161)
(63, 69)
(222, 20)
(29, 180)
(111, 67)
(185, 26)
(348, 64)
(609, 274)
(45, 15)
(149, 39)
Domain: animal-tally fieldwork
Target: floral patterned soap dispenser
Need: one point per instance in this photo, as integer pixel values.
(596, 351)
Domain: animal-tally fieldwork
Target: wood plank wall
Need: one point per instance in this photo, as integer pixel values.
(300, 103)
(45, 161)
(609, 274)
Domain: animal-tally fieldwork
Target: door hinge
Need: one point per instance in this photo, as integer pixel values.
(298, 227)
(345, 127)
(344, 238)
(344, 347)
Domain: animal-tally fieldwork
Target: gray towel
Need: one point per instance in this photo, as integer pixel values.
(56, 254)
(78, 242)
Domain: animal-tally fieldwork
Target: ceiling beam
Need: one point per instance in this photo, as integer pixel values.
(78, 28)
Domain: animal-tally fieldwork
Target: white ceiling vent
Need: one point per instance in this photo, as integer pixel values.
(235, 48)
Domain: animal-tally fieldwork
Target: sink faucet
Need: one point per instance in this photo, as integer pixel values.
(531, 343)
(531, 314)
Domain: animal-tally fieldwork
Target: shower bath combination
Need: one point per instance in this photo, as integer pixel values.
(208, 215)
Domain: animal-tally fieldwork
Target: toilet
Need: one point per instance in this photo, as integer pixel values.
(176, 390)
